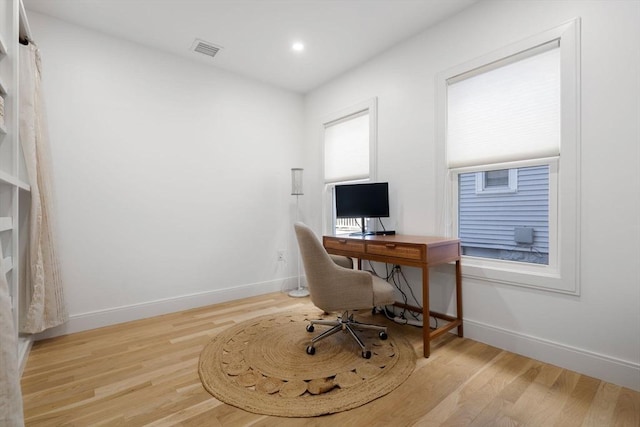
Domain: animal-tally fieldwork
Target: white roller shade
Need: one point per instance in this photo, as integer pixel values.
(346, 148)
(506, 111)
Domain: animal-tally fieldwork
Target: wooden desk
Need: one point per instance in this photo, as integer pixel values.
(415, 251)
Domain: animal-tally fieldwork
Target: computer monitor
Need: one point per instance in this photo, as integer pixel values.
(366, 200)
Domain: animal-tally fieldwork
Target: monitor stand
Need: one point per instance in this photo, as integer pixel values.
(364, 230)
(371, 233)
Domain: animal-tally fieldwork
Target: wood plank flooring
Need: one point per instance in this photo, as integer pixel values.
(145, 373)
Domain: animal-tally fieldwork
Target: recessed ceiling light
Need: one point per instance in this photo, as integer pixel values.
(297, 47)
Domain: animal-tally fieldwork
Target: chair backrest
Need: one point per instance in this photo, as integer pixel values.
(331, 287)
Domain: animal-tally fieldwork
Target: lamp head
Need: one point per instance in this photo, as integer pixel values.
(296, 182)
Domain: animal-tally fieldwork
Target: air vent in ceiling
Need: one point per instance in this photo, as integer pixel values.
(205, 48)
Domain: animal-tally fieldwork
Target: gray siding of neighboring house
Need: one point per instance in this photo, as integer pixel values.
(488, 221)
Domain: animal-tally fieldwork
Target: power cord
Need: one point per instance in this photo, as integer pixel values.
(401, 273)
(397, 277)
(393, 275)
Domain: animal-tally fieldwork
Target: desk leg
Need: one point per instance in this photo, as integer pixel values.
(426, 330)
(459, 297)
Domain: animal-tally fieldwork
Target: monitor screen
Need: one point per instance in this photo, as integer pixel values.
(368, 200)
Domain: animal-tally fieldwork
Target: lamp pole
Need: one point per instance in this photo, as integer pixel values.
(296, 190)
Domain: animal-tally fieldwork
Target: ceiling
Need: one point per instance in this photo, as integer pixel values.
(256, 36)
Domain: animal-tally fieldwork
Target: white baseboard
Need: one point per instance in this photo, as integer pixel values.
(606, 368)
(111, 316)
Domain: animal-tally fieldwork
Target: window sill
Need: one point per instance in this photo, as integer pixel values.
(513, 273)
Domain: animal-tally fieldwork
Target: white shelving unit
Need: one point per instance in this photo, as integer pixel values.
(6, 223)
(3, 92)
(7, 265)
(3, 49)
(14, 190)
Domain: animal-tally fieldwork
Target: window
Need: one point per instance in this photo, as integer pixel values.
(497, 181)
(509, 124)
(493, 180)
(346, 148)
(349, 144)
(500, 222)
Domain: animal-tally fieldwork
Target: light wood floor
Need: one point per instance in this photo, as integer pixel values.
(145, 373)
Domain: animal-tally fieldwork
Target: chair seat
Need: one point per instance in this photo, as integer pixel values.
(382, 292)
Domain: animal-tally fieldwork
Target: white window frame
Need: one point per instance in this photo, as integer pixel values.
(562, 275)
(371, 106)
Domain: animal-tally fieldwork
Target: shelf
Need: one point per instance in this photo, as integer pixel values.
(3, 130)
(3, 91)
(3, 47)
(7, 265)
(6, 223)
(8, 179)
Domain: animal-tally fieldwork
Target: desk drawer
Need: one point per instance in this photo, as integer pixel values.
(344, 245)
(396, 250)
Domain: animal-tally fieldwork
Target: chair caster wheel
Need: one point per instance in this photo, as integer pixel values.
(366, 354)
(310, 328)
(383, 335)
(311, 350)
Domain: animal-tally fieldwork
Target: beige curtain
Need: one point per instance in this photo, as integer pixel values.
(45, 303)
(10, 395)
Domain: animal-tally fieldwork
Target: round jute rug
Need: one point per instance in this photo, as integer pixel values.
(261, 366)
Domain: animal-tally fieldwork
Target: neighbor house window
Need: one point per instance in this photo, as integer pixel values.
(349, 145)
(497, 181)
(510, 125)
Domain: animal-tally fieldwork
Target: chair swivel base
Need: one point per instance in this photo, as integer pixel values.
(346, 324)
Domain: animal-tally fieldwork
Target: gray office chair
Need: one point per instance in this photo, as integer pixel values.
(334, 288)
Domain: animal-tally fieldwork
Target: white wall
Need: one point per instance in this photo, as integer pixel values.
(598, 332)
(172, 178)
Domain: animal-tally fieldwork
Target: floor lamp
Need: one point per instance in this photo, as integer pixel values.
(296, 190)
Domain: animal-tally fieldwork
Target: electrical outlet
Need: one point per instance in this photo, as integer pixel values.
(280, 255)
